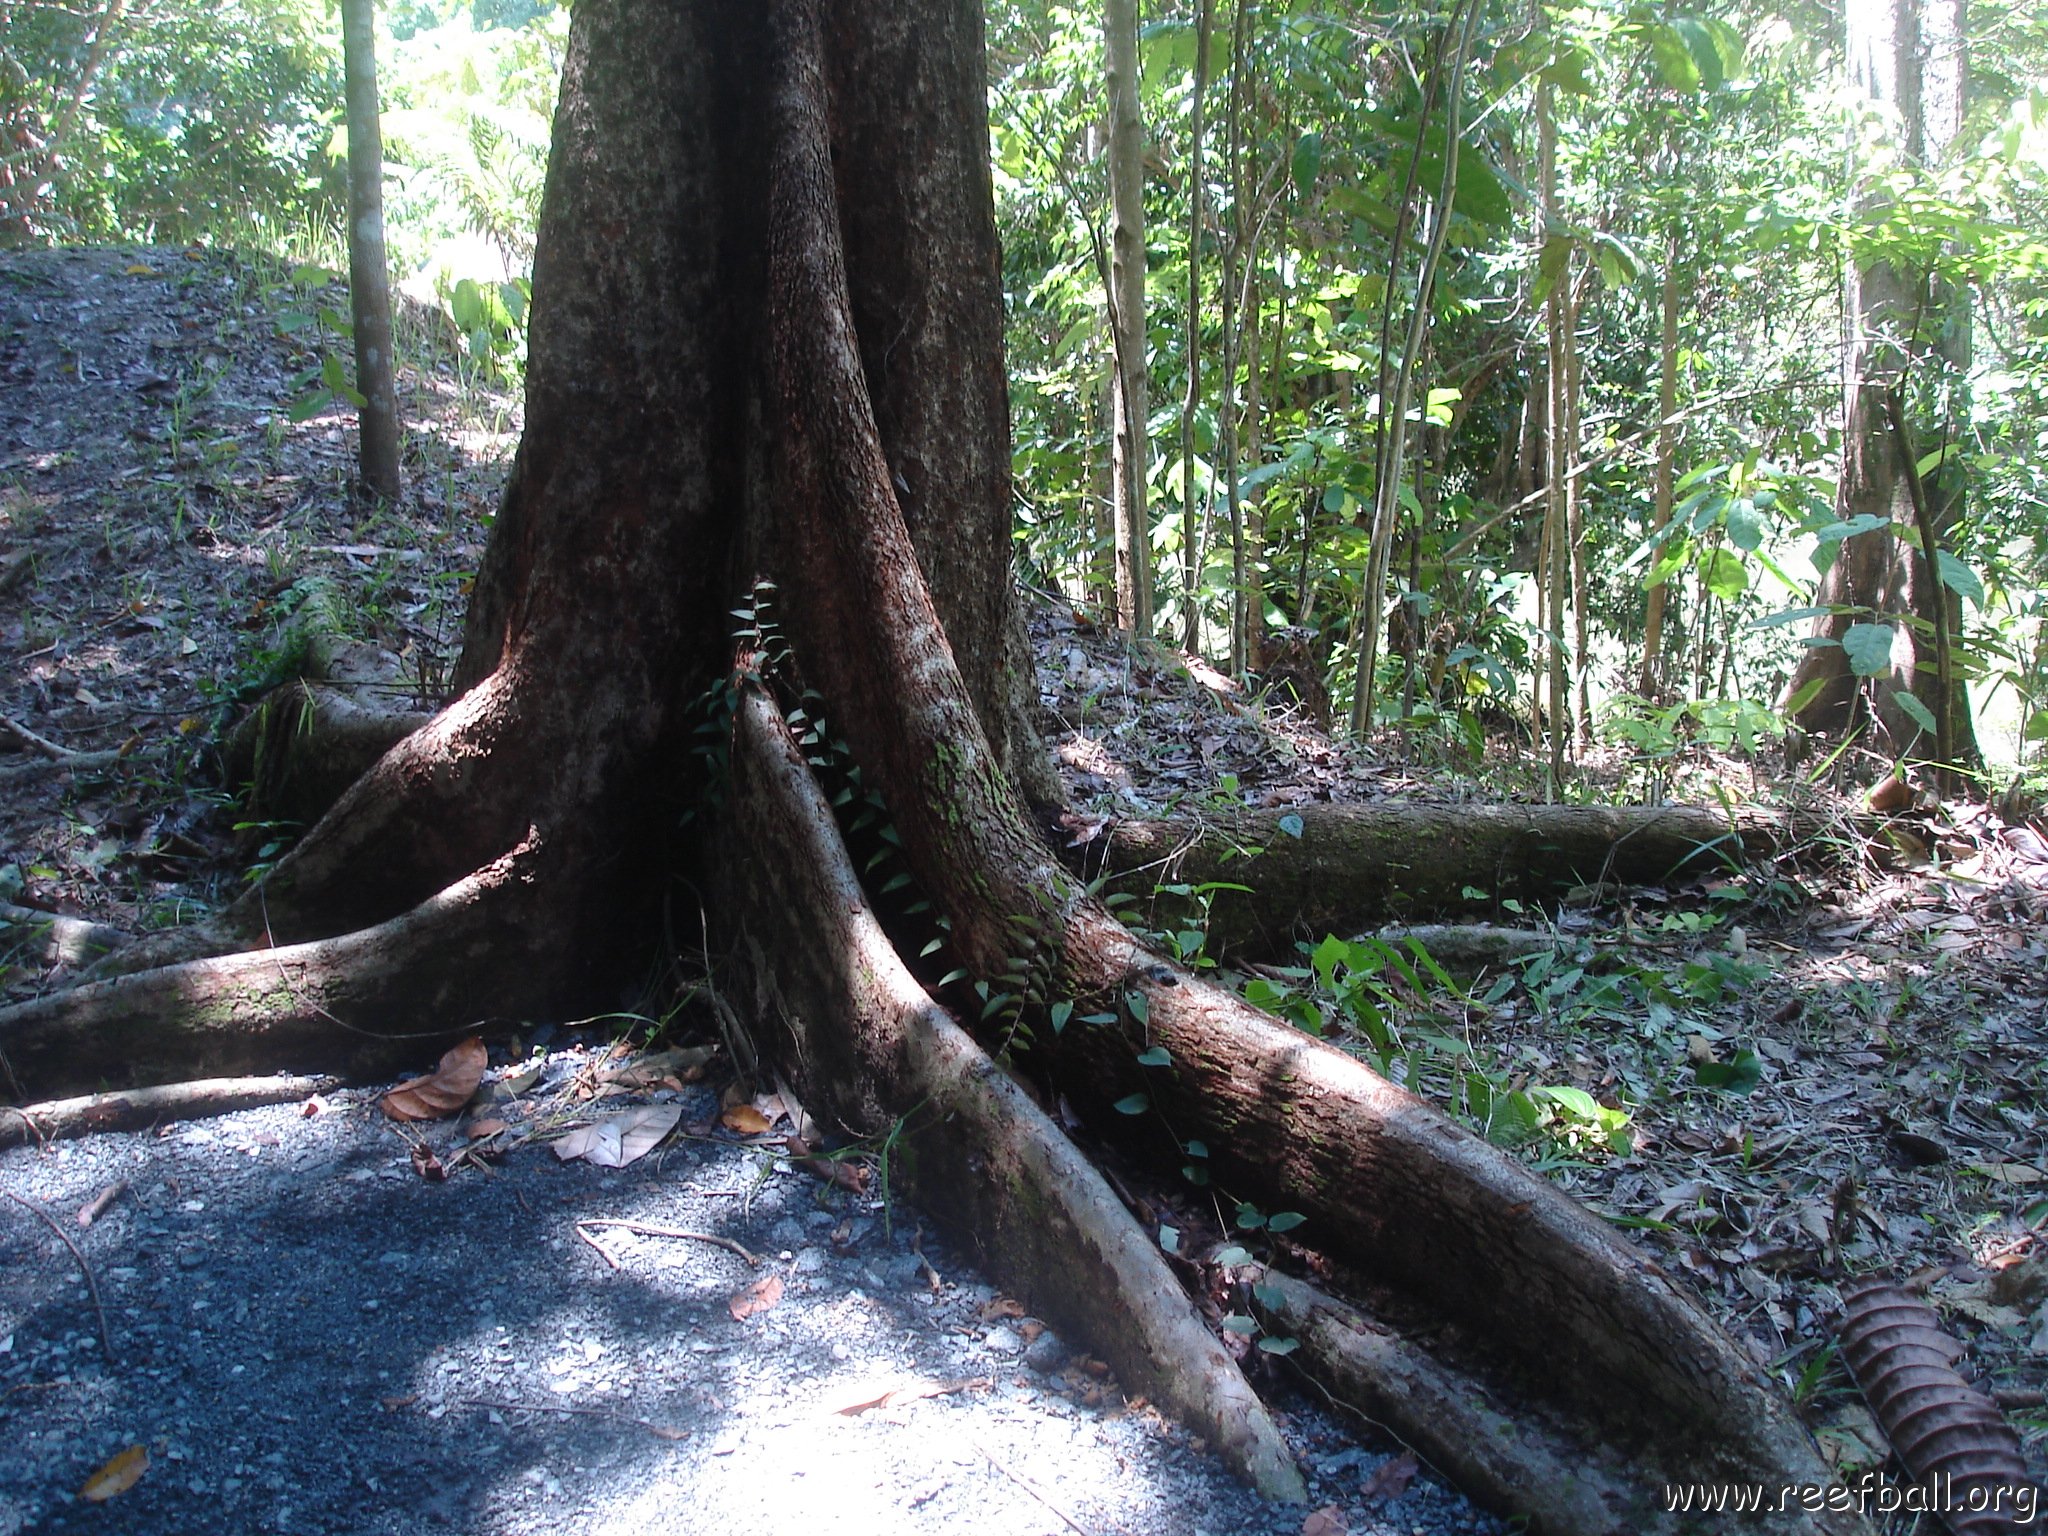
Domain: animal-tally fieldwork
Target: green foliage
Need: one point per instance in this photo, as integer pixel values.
(191, 121)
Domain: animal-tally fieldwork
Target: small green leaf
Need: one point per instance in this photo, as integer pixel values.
(1273, 1346)
(1140, 1009)
(1291, 825)
(1739, 1075)
(1268, 1295)
(1169, 1239)
(1157, 1056)
(1059, 1013)
(1249, 1217)
(1231, 1255)
(1285, 1221)
(1134, 1104)
(1239, 1324)
(1198, 1149)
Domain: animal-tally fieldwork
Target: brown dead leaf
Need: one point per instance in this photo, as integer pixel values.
(1392, 1478)
(1001, 1306)
(445, 1091)
(617, 1140)
(761, 1296)
(848, 1176)
(477, 1130)
(117, 1476)
(1327, 1521)
(428, 1166)
(746, 1120)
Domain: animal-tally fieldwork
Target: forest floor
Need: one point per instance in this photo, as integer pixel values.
(1773, 1078)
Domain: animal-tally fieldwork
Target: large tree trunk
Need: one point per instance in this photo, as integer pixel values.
(805, 387)
(1907, 330)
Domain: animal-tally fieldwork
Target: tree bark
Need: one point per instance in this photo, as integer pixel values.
(369, 275)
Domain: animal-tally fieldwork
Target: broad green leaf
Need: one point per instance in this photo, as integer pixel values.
(1958, 577)
(1157, 1056)
(1285, 1221)
(1239, 1324)
(1724, 574)
(1169, 1239)
(1249, 1217)
(1869, 647)
(1911, 707)
(1745, 526)
(1133, 1104)
(1291, 824)
(1574, 1101)
(1273, 1346)
(1232, 1255)
(1737, 1076)
(1308, 161)
(1059, 1013)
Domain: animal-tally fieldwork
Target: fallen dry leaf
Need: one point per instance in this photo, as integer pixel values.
(1327, 1521)
(117, 1476)
(1001, 1306)
(848, 1176)
(1392, 1478)
(477, 1130)
(428, 1166)
(762, 1295)
(746, 1120)
(617, 1140)
(445, 1091)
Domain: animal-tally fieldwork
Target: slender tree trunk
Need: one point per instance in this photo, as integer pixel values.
(369, 275)
(1575, 515)
(1131, 441)
(1190, 541)
(1226, 415)
(1651, 678)
(1557, 454)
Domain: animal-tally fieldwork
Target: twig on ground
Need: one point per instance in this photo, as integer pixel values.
(600, 1249)
(1023, 1482)
(662, 1431)
(29, 738)
(641, 1227)
(91, 1280)
(97, 1206)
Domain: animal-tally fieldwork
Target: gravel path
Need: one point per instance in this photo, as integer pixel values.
(309, 1337)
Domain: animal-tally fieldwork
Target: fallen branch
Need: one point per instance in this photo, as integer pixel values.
(1341, 868)
(141, 1108)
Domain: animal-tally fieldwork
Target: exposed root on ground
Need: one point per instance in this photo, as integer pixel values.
(359, 1004)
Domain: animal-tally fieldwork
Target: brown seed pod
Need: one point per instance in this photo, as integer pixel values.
(1949, 1436)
